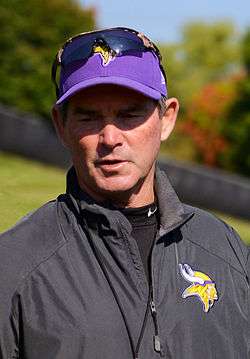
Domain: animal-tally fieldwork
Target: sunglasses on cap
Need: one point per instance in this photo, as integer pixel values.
(118, 41)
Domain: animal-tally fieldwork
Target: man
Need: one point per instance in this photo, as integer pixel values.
(118, 267)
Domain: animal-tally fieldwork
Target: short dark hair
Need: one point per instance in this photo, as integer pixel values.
(162, 106)
(63, 108)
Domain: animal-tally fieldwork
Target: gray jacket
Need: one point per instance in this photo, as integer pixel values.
(72, 284)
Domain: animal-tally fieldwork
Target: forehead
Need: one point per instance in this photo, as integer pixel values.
(110, 96)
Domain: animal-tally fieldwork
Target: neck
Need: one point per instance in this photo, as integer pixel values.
(140, 195)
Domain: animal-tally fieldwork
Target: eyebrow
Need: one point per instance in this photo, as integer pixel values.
(84, 111)
(132, 108)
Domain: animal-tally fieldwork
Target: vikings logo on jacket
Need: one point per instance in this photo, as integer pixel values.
(202, 286)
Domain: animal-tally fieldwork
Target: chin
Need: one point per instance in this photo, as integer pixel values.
(117, 185)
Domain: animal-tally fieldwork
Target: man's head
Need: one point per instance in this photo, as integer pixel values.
(112, 113)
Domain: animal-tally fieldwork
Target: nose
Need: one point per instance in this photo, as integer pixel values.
(111, 136)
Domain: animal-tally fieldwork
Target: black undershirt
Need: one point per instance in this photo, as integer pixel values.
(144, 227)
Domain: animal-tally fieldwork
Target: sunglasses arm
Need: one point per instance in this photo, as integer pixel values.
(53, 75)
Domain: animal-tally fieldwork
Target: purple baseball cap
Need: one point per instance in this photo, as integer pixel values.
(139, 71)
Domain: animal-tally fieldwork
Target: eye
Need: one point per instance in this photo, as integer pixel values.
(88, 119)
(131, 115)
(85, 119)
(134, 115)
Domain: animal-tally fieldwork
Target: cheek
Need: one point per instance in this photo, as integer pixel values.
(83, 146)
(146, 147)
(87, 146)
(149, 138)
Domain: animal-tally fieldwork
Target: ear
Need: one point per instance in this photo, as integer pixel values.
(59, 124)
(169, 117)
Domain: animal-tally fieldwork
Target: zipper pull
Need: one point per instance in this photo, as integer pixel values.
(153, 308)
(157, 343)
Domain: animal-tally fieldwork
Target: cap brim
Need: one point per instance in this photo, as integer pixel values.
(112, 80)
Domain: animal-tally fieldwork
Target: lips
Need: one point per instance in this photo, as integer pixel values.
(109, 160)
(110, 164)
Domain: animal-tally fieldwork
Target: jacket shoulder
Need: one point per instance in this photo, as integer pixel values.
(217, 237)
(33, 239)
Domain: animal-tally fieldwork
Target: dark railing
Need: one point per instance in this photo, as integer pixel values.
(197, 185)
(209, 188)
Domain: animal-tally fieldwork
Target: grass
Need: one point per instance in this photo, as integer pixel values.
(26, 185)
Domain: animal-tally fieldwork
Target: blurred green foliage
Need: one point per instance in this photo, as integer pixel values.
(206, 52)
(237, 127)
(209, 72)
(31, 33)
(206, 117)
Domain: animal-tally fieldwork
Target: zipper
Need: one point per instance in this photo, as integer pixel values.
(150, 307)
(156, 336)
(138, 345)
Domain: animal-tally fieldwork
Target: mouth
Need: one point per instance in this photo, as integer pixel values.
(109, 162)
(110, 165)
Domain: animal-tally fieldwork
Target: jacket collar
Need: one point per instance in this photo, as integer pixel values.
(171, 209)
(172, 212)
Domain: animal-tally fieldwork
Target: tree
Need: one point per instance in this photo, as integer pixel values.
(206, 117)
(31, 33)
(207, 52)
(203, 70)
(237, 128)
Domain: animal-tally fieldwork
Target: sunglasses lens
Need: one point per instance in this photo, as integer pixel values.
(119, 41)
(78, 48)
(122, 45)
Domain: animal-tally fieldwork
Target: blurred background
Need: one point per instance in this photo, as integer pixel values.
(206, 54)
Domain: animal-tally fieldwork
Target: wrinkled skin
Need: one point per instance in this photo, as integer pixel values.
(114, 135)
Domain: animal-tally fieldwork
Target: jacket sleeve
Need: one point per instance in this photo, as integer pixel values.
(9, 317)
(248, 265)
(22, 248)
(9, 337)
(9, 328)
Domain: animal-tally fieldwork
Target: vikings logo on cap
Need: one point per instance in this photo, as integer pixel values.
(202, 286)
(106, 53)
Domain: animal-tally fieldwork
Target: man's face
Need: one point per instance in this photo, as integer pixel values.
(114, 136)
